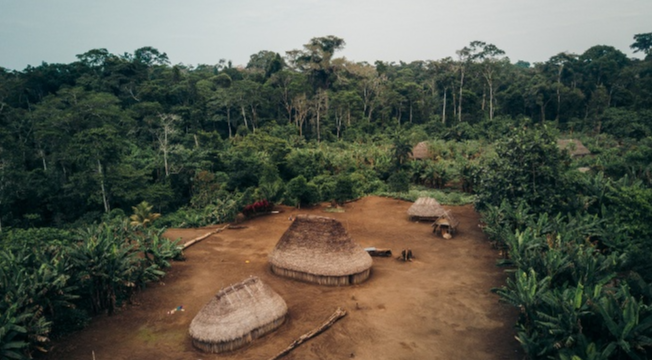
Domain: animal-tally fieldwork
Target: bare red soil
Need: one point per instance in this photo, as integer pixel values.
(437, 307)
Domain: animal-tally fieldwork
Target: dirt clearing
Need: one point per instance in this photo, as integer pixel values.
(437, 307)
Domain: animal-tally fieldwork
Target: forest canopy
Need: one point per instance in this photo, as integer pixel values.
(83, 144)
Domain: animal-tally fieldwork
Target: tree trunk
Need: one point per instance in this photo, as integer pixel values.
(104, 193)
(558, 95)
(254, 117)
(444, 107)
(45, 164)
(229, 121)
(491, 99)
(242, 111)
(460, 97)
(165, 152)
(483, 100)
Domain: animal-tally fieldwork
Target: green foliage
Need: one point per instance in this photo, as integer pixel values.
(300, 192)
(50, 280)
(399, 181)
(84, 142)
(528, 167)
(143, 215)
(580, 280)
(344, 189)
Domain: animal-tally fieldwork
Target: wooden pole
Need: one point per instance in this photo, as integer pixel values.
(198, 239)
(337, 315)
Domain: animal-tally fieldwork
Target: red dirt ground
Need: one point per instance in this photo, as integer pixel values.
(436, 307)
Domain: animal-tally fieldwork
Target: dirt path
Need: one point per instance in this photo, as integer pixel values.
(437, 307)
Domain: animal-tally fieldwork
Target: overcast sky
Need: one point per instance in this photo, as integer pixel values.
(204, 31)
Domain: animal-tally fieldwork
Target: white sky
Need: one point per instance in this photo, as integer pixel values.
(204, 31)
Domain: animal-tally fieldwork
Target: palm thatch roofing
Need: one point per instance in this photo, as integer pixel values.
(421, 151)
(237, 315)
(446, 220)
(318, 249)
(425, 208)
(575, 147)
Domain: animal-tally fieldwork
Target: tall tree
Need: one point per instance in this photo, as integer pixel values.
(490, 65)
(316, 59)
(642, 44)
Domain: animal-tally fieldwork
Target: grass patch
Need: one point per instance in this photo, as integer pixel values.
(334, 210)
(444, 197)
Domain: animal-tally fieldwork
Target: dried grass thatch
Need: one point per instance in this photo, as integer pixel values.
(445, 224)
(575, 147)
(420, 151)
(425, 209)
(318, 249)
(237, 315)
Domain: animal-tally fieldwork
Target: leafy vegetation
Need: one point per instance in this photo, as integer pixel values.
(579, 276)
(82, 144)
(53, 280)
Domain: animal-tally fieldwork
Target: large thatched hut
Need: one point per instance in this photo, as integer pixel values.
(420, 151)
(425, 208)
(575, 147)
(237, 315)
(318, 249)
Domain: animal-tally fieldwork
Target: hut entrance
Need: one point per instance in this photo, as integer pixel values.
(445, 225)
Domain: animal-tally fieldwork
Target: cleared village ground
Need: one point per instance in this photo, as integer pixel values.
(437, 307)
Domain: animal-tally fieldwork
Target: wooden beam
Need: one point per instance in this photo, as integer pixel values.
(198, 239)
(337, 315)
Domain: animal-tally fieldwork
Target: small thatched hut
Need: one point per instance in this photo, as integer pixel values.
(318, 249)
(445, 225)
(420, 151)
(237, 315)
(575, 147)
(425, 208)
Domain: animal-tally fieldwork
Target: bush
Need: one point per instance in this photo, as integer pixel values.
(399, 181)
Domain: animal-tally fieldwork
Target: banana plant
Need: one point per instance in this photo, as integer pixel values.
(628, 323)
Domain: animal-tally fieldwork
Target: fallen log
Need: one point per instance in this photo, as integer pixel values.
(337, 315)
(198, 239)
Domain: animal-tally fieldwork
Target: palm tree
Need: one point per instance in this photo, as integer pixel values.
(143, 215)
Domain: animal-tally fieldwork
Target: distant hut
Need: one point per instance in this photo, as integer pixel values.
(236, 316)
(445, 225)
(575, 147)
(425, 208)
(420, 151)
(318, 249)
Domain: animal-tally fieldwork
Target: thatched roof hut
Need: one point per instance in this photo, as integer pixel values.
(575, 147)
(445, 224)
(237, 315)
(425, 208)
(318, 249)
(420, 151)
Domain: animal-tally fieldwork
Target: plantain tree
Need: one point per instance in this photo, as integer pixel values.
(143, 215)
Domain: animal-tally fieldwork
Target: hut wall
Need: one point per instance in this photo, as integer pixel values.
(237, 343)
(422, 218)
(321, 279)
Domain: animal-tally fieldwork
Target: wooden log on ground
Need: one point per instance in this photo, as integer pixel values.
(337, 315)
(198, 239)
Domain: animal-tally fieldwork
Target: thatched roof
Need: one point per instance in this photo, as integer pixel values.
(426, 208)
(575, 147)
(236, 315)
(421, 151)
(447, 220)
(319, 245)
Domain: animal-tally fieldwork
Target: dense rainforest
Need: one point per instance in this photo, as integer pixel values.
(84, 145)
